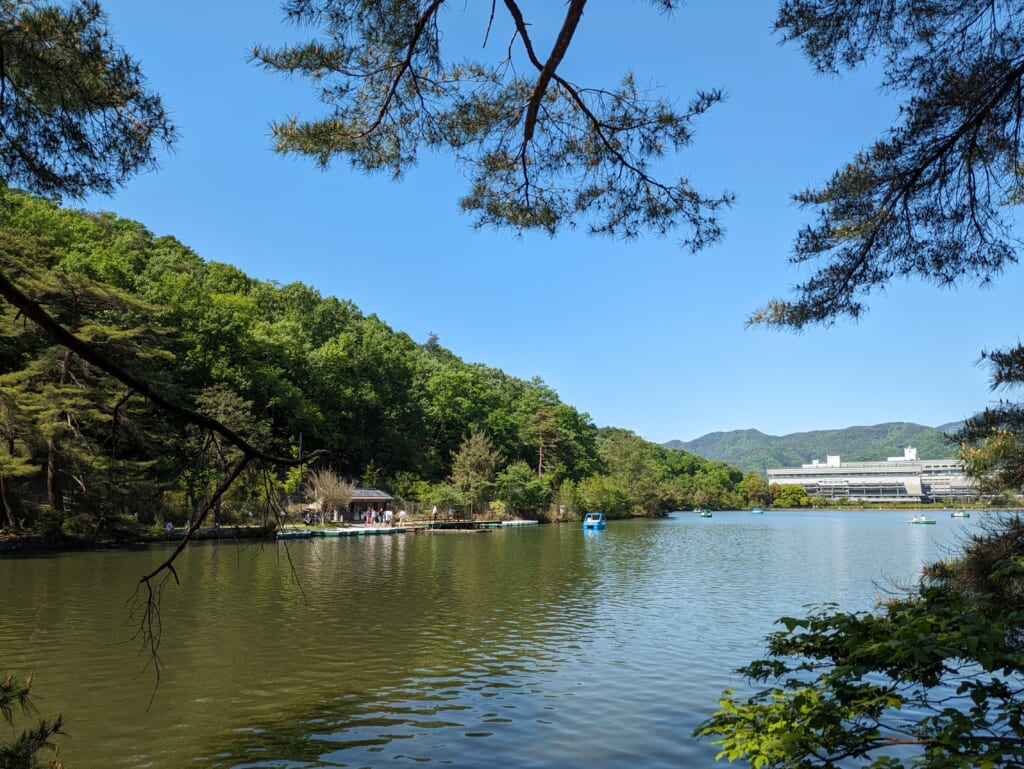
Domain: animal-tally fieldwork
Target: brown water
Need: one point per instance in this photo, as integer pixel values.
(536, 647)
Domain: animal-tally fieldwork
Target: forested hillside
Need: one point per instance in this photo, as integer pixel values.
(751, 450)
(285, 368)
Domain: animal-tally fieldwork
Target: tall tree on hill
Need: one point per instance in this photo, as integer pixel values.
(17, 434)
(474, 467)
(542, 430)
(93, 438)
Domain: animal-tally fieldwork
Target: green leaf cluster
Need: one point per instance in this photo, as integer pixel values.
(933, 678)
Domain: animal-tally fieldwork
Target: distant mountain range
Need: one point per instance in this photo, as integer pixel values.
(753, 450)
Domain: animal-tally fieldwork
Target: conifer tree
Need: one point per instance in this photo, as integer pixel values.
(542, 151)
(75, 115)
(23, 752)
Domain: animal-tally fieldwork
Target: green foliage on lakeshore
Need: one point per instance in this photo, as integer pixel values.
(752, 450)
(83, 457)
(931, 678)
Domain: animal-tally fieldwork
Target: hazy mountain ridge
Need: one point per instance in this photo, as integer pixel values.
(754, 450)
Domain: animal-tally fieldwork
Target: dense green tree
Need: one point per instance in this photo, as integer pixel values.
(604, 493)
(521, 490)
(97, 440)
(364, 381)
(474, 468)
(541, 151)
(457, 397)
(789, 495)
(629, 462)
(755, 488)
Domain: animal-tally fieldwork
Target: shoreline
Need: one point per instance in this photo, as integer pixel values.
(30, 544)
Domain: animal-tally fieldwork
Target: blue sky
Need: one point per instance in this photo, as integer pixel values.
(639, 334)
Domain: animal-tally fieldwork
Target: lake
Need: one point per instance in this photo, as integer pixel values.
(541, 646)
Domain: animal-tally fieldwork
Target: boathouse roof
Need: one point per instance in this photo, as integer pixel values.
(370, 495)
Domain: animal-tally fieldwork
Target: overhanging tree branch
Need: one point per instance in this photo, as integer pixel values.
(927, 200)
(538, 157)
(34, 312)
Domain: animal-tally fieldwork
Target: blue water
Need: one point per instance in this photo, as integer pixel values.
(536, 647)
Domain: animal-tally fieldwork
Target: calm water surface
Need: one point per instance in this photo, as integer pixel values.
(535, 647)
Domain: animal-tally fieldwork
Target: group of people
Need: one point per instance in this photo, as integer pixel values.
(375, 517)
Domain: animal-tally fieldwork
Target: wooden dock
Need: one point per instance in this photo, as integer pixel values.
(362, 531)
(340, 531)
(475, 525)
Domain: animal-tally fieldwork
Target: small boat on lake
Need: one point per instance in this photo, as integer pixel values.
(921, 519)
(705, 513)
(594, 521)
(757, 511)
(959, 514)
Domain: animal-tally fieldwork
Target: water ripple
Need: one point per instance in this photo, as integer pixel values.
(533, 648)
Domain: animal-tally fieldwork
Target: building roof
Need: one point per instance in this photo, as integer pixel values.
(370, 495)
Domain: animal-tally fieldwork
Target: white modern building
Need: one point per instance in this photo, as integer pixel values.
(898, 479)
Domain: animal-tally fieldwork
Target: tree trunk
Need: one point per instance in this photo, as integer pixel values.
(51, 473)
(8, 510)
